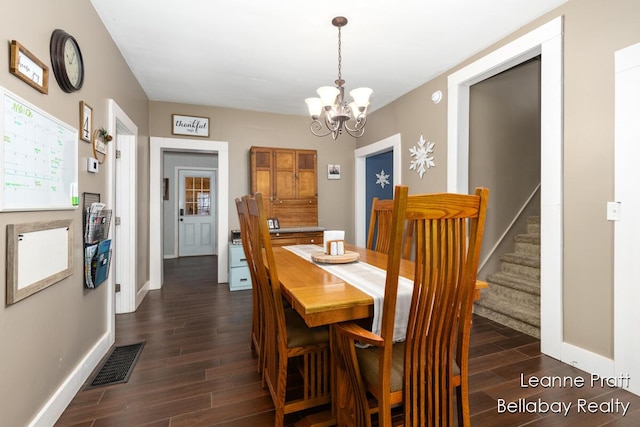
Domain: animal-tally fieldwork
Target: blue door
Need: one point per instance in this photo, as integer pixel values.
(379, 180)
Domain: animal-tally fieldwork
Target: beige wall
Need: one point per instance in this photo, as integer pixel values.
(44, 336)
(243, 129)
(593, 31)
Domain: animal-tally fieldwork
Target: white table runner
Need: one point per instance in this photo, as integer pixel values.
(369, 279)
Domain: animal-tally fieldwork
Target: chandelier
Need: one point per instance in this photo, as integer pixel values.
(332, 109)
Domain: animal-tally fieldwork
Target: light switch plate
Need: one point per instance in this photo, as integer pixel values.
(613, 211)
(92, 165)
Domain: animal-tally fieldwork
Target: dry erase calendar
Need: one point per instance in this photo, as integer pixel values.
(38, 159)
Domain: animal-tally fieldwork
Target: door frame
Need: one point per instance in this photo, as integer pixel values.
(157, 147)
(391, 143)
(546, 41)
(119, 185)
(176, 231)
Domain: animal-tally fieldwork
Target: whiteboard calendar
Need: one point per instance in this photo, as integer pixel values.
(38, 160)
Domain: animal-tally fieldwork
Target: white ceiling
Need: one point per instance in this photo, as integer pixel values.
(271, 55)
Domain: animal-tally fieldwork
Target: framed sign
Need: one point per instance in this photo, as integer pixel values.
(27, 67)
(190, 125)
(86, 122)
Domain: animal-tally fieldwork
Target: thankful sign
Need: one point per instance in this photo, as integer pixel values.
(190, 125)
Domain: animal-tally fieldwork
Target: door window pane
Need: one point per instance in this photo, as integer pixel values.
(197, 192)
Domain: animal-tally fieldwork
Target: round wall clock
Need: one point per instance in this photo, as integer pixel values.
(66, 61)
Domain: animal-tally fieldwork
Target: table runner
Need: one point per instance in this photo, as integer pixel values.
(369, 279)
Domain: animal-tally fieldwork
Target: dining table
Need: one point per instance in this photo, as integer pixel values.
(322, 297)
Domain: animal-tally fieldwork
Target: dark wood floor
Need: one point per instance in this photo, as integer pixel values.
(196, 368)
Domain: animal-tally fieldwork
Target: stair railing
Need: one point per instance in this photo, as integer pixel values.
(509, 227)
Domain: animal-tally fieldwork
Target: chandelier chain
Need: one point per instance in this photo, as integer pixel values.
(339, 54)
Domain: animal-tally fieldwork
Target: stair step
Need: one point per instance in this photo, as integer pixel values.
(502, 319)
(527, 313)
(514, 282)
(521, 305)
(521, 265)
(533, 225)
(528, 244)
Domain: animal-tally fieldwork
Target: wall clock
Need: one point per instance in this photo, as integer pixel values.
(66, 61)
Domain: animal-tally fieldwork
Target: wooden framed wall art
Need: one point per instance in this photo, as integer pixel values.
(189, 125)
(39, 254)
(86, 122)
(28, 68)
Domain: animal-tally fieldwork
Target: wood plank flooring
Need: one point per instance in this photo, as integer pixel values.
(196, 368)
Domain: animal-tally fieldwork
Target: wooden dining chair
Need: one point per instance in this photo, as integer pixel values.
(379, 235)
(421, 373)
(257, 325)
(288, 340)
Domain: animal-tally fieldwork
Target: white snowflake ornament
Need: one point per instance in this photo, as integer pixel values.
(421, 158)
(383, 178)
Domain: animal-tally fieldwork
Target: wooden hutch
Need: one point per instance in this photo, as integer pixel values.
(288, 181)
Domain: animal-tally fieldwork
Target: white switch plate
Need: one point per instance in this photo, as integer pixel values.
(613, 211)
(92, 165)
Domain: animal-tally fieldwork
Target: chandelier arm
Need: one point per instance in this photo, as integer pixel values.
(359, 126)
(316, 127)
(332, 125)
(355, 133)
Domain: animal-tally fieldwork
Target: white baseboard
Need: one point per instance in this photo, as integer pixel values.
(170, 256)
(59, 401)
(587, 361)
(142, 293)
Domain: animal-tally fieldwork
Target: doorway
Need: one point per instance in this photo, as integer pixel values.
(196, 212)
(379, 182)
(158, 146)
(545, 41)
(391, 144)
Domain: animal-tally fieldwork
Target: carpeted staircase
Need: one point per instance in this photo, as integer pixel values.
(513, 297)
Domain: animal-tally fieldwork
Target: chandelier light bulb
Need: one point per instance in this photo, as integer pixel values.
(315, 106)
(328, 95)
(361, 96)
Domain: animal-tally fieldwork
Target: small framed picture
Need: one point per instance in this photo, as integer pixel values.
(276, 223)
(86, 121)
(28, 68)
(270, 223)
(333, 171)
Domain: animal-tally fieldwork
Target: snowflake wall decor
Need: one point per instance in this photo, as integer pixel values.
(383, 178)
(421, 158)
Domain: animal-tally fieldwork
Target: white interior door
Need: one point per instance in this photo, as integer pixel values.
(627, 229)
(122, 198)
(196, 212)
